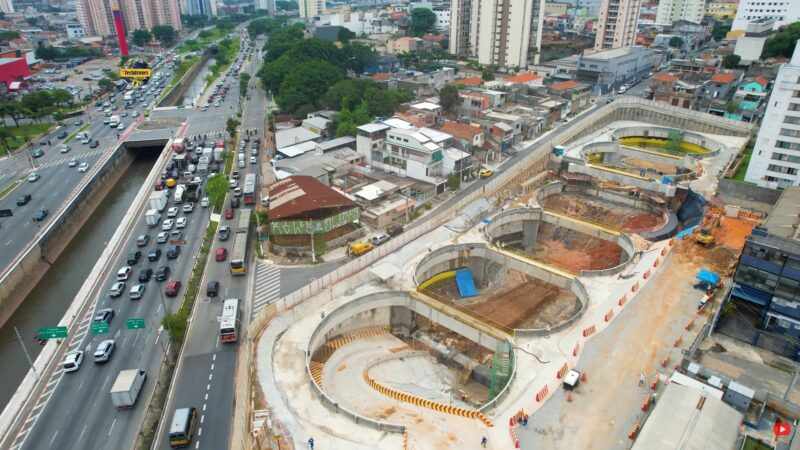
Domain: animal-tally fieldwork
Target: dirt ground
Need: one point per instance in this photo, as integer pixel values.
(521, 302)
(573, 251)
(595, 210)
(605, 407)
(636, 163)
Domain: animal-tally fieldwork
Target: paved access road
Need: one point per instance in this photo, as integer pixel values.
(57, 178)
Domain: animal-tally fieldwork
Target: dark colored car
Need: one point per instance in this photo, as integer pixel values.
(95, 143)
(173, 286)
(62, 135)
(133, 257)
(145, 275)
(234, 202)
(23, 199)
(154, 255)
(142, 240)
(212, 289)
(40, 215)
(162, 273)
(394, 230)
(38, 153)
(173, 251)
(104, 315)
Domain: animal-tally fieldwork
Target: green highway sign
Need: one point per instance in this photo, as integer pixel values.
(135, 323)
(99, 327)
(52, 333)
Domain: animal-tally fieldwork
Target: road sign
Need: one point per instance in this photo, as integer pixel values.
(99, 327)
(134, 323)
(52, 333)
(781, 428)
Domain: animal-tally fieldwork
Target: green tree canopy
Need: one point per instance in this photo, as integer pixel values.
(8, 35)
(345, 35)
(720, 30)
(165, 35)
(216, 188)
(231, 125)
(348, 122)
(347, 94)
(731, 61)
(306, 85)
(448, 97)
(281, 40)
(423, 20)
(782, 43)
(141, 37)
(286, 5)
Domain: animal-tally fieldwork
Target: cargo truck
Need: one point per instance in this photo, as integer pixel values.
(152, 217)
(158, 200)
(126, 387)
(179, 190)
(177, 145)
(218, 154)
(114, 121)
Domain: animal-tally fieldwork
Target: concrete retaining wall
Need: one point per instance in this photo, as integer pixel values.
(180, 88)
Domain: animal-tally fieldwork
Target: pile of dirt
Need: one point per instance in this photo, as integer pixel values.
(733, 232)
(641, 222)
(573, 251)
(595, 210)
(718, 258)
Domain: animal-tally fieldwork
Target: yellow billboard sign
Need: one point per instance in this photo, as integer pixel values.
(135, 74)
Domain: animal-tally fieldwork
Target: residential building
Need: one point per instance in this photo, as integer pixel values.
(776, 156)
(556, 8)
(750, 45)
(670, 11)
(7, 6)
(442, 18)
(749, 99)
(783, 12)
(578, 94)
(767, 279)
(95, 16)
(616, 27)
(467, 137)
(74, 31)
(311, 8)
(722, 9)
(266, 5)
(201, 8)
(609, 69)
(504, 33)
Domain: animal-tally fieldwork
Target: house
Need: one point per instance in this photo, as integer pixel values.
(293, 136)
(317, 124)
(467, 137)
(458, 163)
(527, 79)
(469, 81)
(669, 88)
(501, 136)
(578, 94)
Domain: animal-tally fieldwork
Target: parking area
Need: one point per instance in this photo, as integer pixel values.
(83, 77)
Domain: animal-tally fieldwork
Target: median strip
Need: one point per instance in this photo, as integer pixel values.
(72, 136)
(10, 188)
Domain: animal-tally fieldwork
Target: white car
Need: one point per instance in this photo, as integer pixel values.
(136, 292)
(83, 167)
(72, 163)
(123, 273)
(33, 177)
(121, 126)
(72, 361)
(188, 207)
(172, 212)
(204, 202)
(167, 224)
(237, 192)
(162, 237)
(181, 223)
(233, 183)
(253, 160)
(116, 289)
(103, 351)
(64, 148)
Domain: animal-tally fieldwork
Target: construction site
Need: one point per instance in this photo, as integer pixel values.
(449, 333)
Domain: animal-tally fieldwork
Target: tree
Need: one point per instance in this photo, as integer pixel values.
(487, 74)
(244, 80)
(345, 35)
(5, 136)
(423, 20)
(676, 42)
(782, 43)
(731, 107)
(141, 37)
(674, 140)
(348, 122)
(7, 35)
(105, 84)
(61, 97)
(448, 97)
(307, 84)
(720, 30)
(216, 188)
(731, 61)
(231, 125)
(164, 34)
(453, 181)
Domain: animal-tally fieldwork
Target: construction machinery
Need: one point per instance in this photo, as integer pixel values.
(704, 237)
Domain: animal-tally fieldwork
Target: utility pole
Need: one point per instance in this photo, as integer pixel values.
(25, 350)
(313, 252)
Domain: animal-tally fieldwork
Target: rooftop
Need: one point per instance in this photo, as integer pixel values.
(610, 54)
(316, 122)
(428, 106)
(300, 194)
(523, 77)
(469, 81)
(564, 85)
(724, 78)
(298, 149)
(665, 77)
(293, 136)
(461, 130)
(373, 127)
(784, 218)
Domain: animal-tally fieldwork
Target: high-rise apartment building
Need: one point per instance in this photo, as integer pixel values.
(311, 8)
(97, 19)
(201, 8)
(6, 6)
(266, 5)
(783, 12)
(775, 162)
(670, 11)
(616, 26)
(505, 33)
(722, 9)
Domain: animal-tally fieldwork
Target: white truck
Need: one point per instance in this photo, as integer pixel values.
(126, 387)
(152, 217)
(128, 97)
(219, 154)
(179, 190)
(158, 200)
(114, 121)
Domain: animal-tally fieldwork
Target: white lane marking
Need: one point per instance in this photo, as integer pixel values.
(206, 397)
(53, 439)
(212, 367)
(111, 428)
(214, 357)
(81, 383)
(116, 335)
(200, 431)
(202, 418)
(80, 436)
(204, 407)
(210, 376)
(208, 386)
(197, 445)
(9, 242)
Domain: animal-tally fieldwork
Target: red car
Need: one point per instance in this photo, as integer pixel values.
(159, 185)
(221, 254)
(228, 214)
(173, 286)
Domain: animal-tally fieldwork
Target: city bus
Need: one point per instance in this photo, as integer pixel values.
(181, 430)
(229, 322)
(239, 250)
(249, 189)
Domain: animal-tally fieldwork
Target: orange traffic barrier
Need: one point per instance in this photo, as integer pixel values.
(635, 287)
(663, 251)
(511, 421)
(608, 315)
(542, 394)
(678, 341)
(576, 349)
(634, 431)
(654, 384)
(569, 396)
(588, 331)
(656, 262)
(646, 403)
(665, 362)
(646, 274)
(584, 377)
(622, 300)
(689, 325)
(562, 371)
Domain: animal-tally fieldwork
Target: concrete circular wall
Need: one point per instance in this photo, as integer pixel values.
(712, 145)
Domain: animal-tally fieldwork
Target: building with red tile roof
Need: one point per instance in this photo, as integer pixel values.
(381, 76)
(564, 85)
(526, 78)
(469, 81)
(468, 136)
(724, 78)
(665, 77)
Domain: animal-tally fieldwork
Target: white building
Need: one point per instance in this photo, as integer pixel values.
(783, 12)
(442, 19)
(6, 6)
(74, 30)
(616, 26)
(362, 21)
(504, 33)
(776, 156)
(311, 8)
(670, 11)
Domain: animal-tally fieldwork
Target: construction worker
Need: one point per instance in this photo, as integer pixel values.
(311, 443)
(484, 441)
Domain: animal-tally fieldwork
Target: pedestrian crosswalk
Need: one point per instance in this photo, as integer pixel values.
(67, 157)
(267, 286)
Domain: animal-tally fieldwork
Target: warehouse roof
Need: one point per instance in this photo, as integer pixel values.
(300, 194)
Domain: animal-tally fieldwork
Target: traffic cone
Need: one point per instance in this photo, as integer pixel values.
(584, 378)
(569, 396)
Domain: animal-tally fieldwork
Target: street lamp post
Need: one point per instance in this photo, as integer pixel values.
(25, 350)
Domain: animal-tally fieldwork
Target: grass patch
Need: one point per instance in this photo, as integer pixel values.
(741, 170)
(176, 323)
(23, 134)
(8, 189)
(204, 39)
(751, 443)
(72, 136)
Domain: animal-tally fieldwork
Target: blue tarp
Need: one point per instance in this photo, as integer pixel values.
(466, 285)
(683, 234)
(707, 276)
